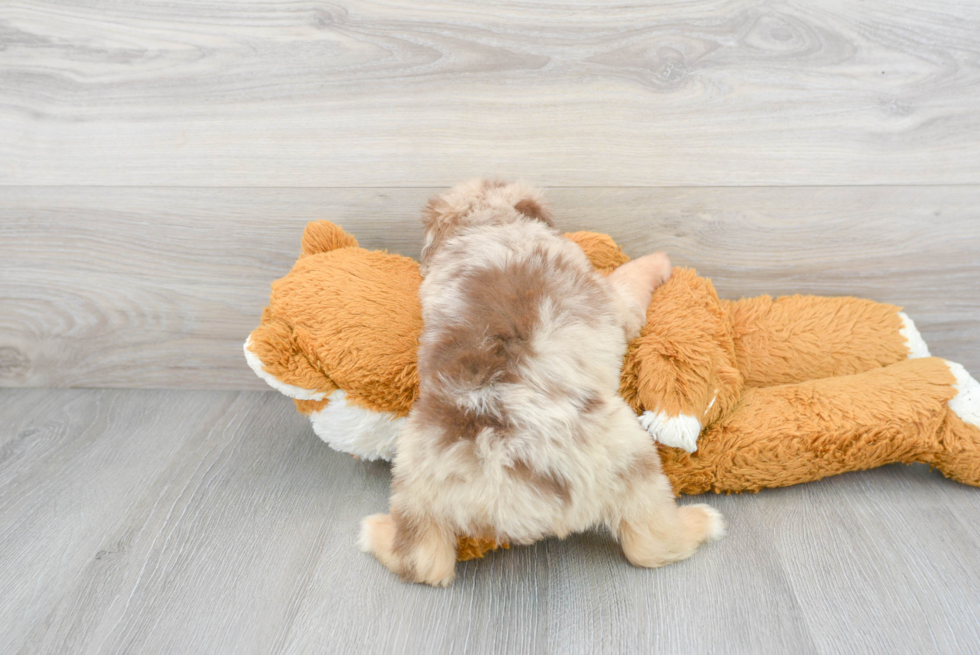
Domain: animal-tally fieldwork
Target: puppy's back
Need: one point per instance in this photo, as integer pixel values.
(521, 338)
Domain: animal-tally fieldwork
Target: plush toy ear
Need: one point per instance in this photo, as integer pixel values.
(601, 250)
(324, 236)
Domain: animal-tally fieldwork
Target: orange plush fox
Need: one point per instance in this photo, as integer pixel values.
(741, 395)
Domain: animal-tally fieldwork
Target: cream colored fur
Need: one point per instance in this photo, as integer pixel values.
(540, 461)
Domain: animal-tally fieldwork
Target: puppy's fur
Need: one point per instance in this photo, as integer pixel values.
(518, 432)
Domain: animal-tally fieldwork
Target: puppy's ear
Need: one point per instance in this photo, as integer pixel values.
(434, 209)
(535, 210)
(438, 222)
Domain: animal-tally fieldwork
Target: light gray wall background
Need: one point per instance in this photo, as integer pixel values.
(158, 160)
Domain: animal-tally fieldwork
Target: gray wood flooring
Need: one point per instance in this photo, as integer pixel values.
(188, 522)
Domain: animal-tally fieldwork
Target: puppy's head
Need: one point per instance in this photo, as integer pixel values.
(478, 202)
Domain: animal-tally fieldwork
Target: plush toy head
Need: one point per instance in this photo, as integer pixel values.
(339, 336)
(769, 392)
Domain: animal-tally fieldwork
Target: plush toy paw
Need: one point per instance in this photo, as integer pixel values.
(913, 340)
(966, 403)
(675, 431)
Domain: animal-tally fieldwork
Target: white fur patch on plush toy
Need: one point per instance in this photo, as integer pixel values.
(355, 430)
(288, 389)
(345, 427)
(913, 340)
(966, 402)
(674, 431)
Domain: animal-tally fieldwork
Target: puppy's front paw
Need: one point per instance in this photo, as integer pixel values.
(659, 268)
(377, 536)
(675, 431)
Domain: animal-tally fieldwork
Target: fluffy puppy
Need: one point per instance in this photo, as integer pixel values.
(519, 432)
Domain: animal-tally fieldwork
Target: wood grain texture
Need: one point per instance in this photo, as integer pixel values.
(119, 287)
(158, 162)
(839, 555)
(399, 93)
(176, 521)
(209, 564)
(71, 467)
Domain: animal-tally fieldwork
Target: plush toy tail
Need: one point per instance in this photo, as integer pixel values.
(920, 410)
(959, 436)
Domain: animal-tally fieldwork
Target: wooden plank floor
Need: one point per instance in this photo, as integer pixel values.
(180, 521)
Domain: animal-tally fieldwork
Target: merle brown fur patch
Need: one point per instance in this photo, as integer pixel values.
(502, 313)
(407, 534)
(646, 464)
(545, 484)
(458, 423)
(591, 403)
(534, 209)
(502, 310)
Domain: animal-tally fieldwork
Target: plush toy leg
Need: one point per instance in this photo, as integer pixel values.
(798, 338)
(920, 410)
(959, 436)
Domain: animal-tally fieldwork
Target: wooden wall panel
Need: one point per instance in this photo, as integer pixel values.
(124, 287)
(398, 94)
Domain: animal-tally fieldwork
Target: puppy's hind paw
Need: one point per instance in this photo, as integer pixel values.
(377, 534)
(704, 520)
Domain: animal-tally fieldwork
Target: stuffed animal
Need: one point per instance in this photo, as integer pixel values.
(741, 395)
